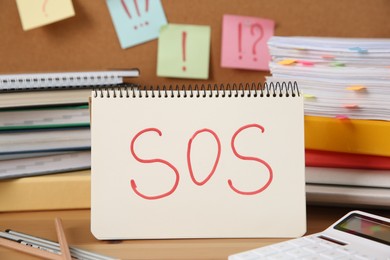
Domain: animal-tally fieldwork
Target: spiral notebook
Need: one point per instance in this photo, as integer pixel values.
(198, 162)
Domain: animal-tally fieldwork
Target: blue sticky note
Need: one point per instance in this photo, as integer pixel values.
(136, 21)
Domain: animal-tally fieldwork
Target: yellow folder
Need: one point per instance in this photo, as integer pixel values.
(347, 135)
(69, 190)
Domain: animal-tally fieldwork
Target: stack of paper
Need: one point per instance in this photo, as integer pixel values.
(339, 77)
(346, 85)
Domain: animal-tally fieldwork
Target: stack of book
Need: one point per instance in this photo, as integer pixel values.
(45, 129)
(346, 86)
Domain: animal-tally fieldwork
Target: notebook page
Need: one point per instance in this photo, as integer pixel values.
(144, 147)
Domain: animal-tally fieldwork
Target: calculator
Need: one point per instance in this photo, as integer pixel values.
(357, 235)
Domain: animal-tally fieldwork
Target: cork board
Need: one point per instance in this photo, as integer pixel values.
(88, 40)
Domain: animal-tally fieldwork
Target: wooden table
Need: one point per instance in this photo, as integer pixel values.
(77, 228)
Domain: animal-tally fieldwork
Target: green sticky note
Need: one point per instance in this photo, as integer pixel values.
(184, 51)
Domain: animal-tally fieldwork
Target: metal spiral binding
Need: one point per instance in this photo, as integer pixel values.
(29, 83)
(267, 89)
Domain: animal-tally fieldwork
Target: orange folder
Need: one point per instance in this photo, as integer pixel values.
(356, 136)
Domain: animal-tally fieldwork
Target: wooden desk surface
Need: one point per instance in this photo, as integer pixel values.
(77, 222)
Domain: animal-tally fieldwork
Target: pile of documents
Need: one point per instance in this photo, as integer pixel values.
(345, 78)
(346, 87)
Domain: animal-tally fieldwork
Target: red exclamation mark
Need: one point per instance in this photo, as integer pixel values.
(126, 8)
(184, 44)
(239, 40)
(146, 10)
(136, 8)
(138, 13)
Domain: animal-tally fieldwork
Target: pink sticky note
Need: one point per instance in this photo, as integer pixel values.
(244, 42)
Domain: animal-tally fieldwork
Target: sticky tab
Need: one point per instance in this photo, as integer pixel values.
(342, 117)
(328, 57)
(287, 62)
(356, 88)
(351, 106)
(305, 62)
(337, 64)
(358, 49)
(309, 96)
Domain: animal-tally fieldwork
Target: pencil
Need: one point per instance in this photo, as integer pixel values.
(65, 253)
(75, 252)
(29, 250)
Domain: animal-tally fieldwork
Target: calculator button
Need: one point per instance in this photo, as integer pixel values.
(283, 246)
(278, 257)
(363, 257)
(315, 248)
(264, 251)
(312, 257)
(332, 254)
(324, 242)
(298, 252)
(249, 255)
(346, 250)
(301, 242)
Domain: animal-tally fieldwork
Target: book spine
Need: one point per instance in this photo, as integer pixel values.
(348, 177)
(317, 158)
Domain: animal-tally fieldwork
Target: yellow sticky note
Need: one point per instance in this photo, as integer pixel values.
(36, 13)
(287, 62)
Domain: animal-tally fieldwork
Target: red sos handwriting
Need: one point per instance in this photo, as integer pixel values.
(189, 164)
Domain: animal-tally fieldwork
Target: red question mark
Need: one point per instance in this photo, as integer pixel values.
(259, 37)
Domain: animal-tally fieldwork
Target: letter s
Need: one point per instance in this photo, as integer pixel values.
(250, 159)
(132, 182)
